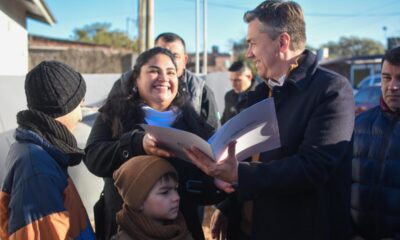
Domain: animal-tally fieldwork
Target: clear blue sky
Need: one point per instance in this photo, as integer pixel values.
(326, 20)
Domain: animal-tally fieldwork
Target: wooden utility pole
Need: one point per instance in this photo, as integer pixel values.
(205, 53)
(150, 24)
(146, 24)
(197, 66)
(142, 25)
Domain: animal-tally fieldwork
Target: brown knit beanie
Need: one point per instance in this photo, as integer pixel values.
(137, 176)
(54, 88)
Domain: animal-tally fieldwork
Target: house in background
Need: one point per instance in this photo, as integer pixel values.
(83, 57)
(14, 35)
(216, 61)
(354, 68)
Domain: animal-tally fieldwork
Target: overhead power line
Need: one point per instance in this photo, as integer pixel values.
(353, 15)
(366, 13)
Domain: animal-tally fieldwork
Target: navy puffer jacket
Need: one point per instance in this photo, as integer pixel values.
(376, 175)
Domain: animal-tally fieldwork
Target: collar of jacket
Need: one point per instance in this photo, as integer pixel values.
(23, 135)
(252, 86)
(385, 108)
(302, 75)
(245, 92)
(184, 75)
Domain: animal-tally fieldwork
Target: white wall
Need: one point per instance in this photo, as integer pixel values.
(14, 38)
(220, 84)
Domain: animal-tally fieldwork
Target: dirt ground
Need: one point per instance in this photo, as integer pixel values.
(206, 222)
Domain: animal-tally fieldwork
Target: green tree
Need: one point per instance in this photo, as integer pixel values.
(101, 33)
(354, 46)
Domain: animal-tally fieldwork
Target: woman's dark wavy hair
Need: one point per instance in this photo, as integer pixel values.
(124, 108)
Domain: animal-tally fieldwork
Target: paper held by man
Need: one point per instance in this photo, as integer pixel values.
(255, 130)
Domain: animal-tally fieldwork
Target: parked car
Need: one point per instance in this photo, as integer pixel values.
(370, 80)
(366, 98)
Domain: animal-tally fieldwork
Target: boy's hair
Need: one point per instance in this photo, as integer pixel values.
(168, 177)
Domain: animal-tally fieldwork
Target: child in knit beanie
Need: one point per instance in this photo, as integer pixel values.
(148, 187)
(38, 199)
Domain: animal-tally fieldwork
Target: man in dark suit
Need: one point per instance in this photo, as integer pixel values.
(300, 190)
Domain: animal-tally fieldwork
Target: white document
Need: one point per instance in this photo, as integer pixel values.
(255, 130)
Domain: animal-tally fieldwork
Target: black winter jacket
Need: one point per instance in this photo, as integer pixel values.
(104, 155)
(302, 189)
(200, 96)
(376, 175)
(232, 99)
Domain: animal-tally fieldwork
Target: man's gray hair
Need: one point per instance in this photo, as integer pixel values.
(280, 16)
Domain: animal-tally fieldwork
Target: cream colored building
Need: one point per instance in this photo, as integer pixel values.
(14, 35)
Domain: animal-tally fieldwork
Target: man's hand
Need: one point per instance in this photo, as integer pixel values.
(225, 169)
(224, 186)
(218, 225)
(151, 148)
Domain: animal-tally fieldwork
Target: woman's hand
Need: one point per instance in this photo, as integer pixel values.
(151, 148)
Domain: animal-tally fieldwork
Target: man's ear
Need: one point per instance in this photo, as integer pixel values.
(284, 42)
(185, 59)
(249, 75)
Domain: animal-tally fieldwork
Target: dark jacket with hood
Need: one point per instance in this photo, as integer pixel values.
(375, 204)
(232, 99)
(105, 154)
(302, 189)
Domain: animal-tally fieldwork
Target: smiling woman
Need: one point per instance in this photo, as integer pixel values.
(149, 94)
(158, 82)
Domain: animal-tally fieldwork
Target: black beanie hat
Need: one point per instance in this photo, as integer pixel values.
(54, 88)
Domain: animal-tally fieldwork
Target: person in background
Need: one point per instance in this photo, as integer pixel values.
(148, 185)
(376, 160)
(224, 223)
(38, 199)
(194, 88)
(150, 96)
(242, 82)
(300, 190)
